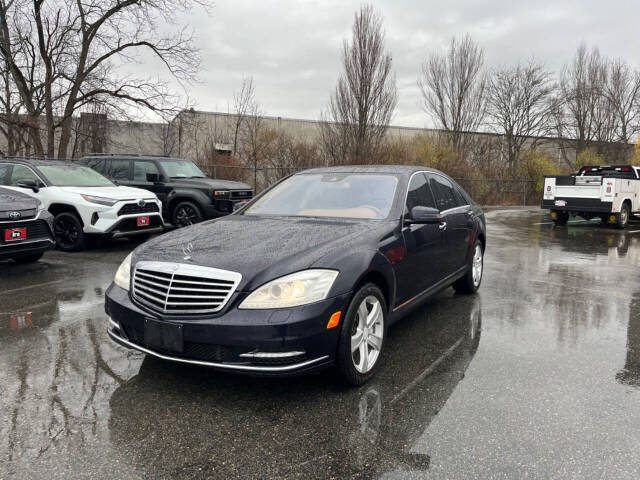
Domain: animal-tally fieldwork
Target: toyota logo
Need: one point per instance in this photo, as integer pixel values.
(15, 215)
(141, 203)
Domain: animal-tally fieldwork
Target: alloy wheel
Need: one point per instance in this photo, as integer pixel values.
(477, 265)
(66, 233)
(367, 334)
(185, 216)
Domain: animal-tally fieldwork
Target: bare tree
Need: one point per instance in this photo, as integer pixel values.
(622, 91)
(583, 115)
(365, 97)
(244, 103)
(65, 55)
(255, 141)
(453, 89)
(519, 105)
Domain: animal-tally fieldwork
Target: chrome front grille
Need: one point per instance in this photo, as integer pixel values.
(182, 289)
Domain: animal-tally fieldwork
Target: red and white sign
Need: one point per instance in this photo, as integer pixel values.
(15, 234)
(20, 320)
(143, 221)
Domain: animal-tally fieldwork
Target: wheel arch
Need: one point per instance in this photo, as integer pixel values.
(57, 208)
(182, 197)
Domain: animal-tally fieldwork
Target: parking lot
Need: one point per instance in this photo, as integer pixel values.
(537, 376)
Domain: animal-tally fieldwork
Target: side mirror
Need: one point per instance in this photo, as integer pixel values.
(153, 177)
(29, 183)
(425, 215)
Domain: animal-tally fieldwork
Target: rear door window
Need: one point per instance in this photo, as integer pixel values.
(119, 169)
(4, 173)
(445, 193)
(141, 168)
(98, 164)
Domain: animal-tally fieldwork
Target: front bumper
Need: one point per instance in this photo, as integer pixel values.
(120, 219)
(26, 248)
(39, 236)
(231, 340)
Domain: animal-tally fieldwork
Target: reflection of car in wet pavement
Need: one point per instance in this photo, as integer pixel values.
(630, 373)
(588, 239)
(192, 422)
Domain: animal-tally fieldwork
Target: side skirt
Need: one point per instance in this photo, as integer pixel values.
(411, 304)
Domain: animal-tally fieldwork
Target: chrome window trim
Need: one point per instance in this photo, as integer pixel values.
(427, 173)
(450, 210)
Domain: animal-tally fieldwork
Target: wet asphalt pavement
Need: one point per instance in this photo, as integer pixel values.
(537, 376)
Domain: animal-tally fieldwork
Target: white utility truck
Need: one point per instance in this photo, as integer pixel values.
(610, 192)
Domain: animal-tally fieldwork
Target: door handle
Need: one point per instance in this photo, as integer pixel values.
(442, 226)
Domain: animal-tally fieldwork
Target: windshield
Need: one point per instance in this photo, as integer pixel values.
(182, 169)
(74, 176)
(347, 195)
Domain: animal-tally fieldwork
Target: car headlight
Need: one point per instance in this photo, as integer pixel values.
(299, 288)
(123, 275)
(109, 202)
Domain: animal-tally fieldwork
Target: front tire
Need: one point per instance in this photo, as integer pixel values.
(472, 279)
(69, 233)
(363, 336)
(185, 214)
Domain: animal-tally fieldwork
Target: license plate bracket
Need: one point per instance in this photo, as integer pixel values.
(163, 335)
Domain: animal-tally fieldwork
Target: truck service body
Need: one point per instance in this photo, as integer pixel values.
(611, 193)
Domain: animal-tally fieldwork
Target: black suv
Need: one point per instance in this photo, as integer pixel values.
(26, 229)
(188, 196)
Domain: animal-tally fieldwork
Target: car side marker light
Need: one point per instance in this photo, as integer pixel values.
(334, 321)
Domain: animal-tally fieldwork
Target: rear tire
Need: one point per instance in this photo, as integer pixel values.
(561, 219)
(28, 258)
(185, 214)
(622, 217)
(69, 233)
(363, 335)
(471, 281)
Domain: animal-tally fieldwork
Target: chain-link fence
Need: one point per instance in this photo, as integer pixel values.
(485, 191)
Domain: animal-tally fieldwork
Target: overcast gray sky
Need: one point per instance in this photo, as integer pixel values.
(292, 47)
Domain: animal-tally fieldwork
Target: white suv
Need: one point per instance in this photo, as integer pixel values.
(83, 201)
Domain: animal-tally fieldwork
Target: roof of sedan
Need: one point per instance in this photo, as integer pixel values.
(37, 162)
(397, 169)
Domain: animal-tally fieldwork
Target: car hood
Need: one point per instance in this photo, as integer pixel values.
(259, 248)
(115, 192)
(211, 183)
(14, 200)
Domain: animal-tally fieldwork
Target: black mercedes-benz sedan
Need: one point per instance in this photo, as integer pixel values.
(309, 274)
(26, 229)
